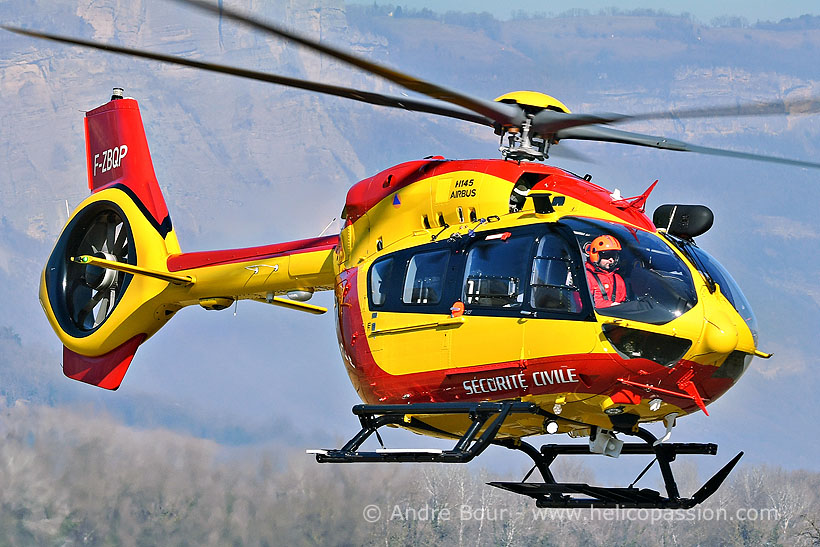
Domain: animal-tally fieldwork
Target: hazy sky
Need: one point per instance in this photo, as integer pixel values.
(704, 10)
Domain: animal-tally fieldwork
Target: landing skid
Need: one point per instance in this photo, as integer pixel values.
(549, 493)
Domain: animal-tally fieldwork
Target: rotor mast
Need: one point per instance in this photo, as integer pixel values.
(523, 143)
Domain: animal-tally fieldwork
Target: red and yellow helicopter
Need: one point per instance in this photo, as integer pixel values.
(479, 300)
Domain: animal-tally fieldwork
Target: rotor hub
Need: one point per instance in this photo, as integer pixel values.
(522, 144)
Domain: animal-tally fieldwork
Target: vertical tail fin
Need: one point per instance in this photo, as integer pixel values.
(117, 155)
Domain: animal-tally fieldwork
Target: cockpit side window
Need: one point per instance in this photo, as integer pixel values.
(554, 280)
(424, 280)
(496, 271)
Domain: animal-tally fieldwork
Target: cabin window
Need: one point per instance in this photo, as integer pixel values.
(554, 279)
(496, 272)
(379, 279)
(424, 281)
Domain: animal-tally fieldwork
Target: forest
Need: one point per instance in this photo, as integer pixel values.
(71, 477)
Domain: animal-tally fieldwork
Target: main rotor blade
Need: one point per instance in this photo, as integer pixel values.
(504, 114)
(548, 122)
(608, 134)
(762, 108)
(406, 103)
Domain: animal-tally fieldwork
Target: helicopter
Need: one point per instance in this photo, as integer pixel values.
(468, 303)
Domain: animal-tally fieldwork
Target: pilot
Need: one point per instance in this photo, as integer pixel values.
(606, 286)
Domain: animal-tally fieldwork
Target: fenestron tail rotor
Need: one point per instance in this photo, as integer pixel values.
(84, 295)
(107, 238)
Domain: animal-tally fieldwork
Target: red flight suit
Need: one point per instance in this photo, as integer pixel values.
(611, 282)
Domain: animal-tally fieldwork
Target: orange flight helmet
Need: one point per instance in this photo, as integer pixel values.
(601, 243)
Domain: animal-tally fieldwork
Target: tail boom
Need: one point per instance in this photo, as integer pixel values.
(254, 272)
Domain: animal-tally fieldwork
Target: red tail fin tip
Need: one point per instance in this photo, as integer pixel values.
(117, 154)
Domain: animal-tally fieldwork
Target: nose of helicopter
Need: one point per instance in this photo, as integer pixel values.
(720, 333)
(724, 330)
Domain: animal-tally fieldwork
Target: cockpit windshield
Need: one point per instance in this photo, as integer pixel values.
(716, 273)
(633, 274)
